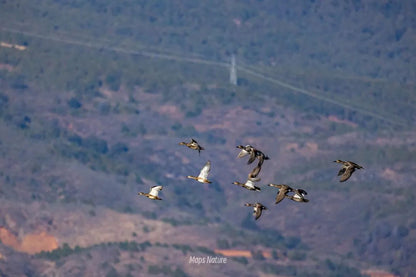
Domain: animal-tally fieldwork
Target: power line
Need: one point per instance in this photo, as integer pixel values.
(317, 96)
(233, 71)
(119, 49)
(173, 57)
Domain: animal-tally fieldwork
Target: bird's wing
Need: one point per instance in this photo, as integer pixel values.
(260, 155)
(242, 153)
(155, 190)
(250, 184)
(257, 179)
(302, 192)
(257, 212)
(252, 157)
(284, 187)
(347, 174)
(356, 165)
(255, 172)
(199, 148)
(341, 171)
(280, 195)
(205, 171)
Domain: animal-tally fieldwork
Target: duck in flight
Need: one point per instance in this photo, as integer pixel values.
(203, 174)
(282, 193)
(253, 152)
(257, 209)
(193, 144)
(347, 169)
(249, 184)
(153, 194)
(298, 195)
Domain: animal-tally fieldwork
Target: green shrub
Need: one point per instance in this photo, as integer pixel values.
(257, 255)
(129, 246)
(205, 250)
(4, 100)
(402, 231)
(183, 247)
(119, 148)
(241, 260)
(297, 255)
(292, 242)
(341, 269)
(113, 80)
(223, 244)
(96, 144)
(74, 103)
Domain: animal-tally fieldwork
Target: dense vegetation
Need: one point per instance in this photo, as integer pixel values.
(288, 37)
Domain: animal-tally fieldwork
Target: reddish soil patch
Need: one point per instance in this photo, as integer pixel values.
(31, 243)
(377, 273)
(239, 253)
(333, 118)
(7, 238)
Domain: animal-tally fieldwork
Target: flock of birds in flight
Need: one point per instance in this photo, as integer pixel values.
(284, 191)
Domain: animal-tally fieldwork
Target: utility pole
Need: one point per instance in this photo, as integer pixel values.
(233, 71)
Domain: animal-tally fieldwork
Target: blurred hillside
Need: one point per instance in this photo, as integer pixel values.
(96, 95)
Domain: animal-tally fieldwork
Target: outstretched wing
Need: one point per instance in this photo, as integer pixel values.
(260, 155)
(242, 153)
(155, 190)
(261, 159)
(356, 165)
(252, 157)
(347, 174)
(257, 212)
(250, 183)
(255, 172)
(280, 195)
(283, 190)
(205, 171)
(302, 192)
(341, 171)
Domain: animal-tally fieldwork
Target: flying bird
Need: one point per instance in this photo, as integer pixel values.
(253, 152)
(282, 193)
(347, 169)
(298, 196)
(245, 150)
(249, 184)
(203, 175)
(257, 209)
(153, 194)
(260, 156)
(193, 145)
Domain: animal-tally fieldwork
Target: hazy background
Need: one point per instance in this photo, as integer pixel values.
(96, 95)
